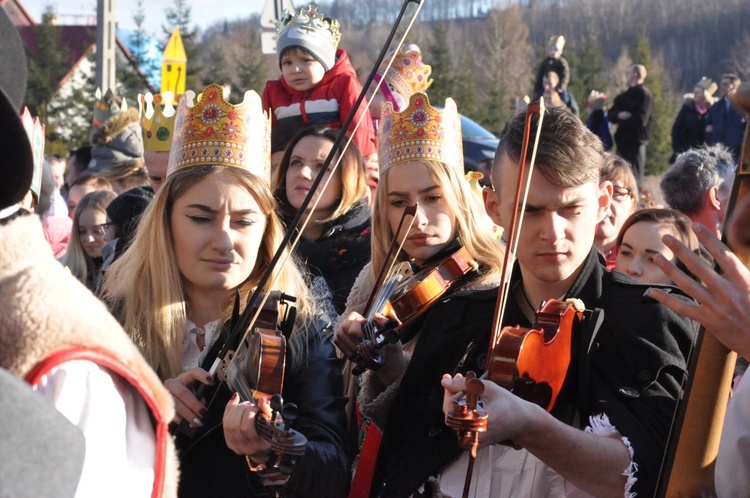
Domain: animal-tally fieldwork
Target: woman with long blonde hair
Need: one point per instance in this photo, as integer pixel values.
(421, 163)
(84, 255)
(210, 233)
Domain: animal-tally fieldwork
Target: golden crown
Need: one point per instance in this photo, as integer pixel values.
(213, 131)
(35, 131)
(158, 115)
(420, 132)
(106, 106)
(309, 19)
(407, 74)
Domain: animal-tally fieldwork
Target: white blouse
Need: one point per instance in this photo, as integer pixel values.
(194, 351)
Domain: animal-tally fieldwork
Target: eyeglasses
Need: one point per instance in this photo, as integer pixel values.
(96, 230)
(620, 193)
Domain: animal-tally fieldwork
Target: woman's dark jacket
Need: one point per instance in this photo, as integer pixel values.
(689, 128)
(340, 253)
(209, 469)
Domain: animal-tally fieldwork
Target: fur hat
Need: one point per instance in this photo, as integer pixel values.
(16, 158)
(312, 32)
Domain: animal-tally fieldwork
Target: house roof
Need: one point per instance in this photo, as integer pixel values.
(17, 13)
(79, 40)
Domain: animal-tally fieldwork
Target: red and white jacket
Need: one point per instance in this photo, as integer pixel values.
(328, 103)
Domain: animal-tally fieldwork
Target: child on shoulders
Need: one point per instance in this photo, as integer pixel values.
(318, 84)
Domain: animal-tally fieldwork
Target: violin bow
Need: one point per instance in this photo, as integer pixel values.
(239, 333)
(467, 418)
(390, 258)
(514, 228)
(688, 464)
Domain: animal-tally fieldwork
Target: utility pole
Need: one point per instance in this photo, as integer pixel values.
(105, 45)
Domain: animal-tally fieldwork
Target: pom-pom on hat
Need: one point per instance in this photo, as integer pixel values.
(310, 31)
(420, 132)
(209, 130)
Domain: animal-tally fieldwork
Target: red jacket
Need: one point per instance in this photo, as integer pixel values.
(328, 103)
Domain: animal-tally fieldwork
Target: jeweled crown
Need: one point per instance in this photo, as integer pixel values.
(420, 132)
(407, 73)
(310, 19)
(106, 105)
(157, 120)
(210, 130)
(35, 131)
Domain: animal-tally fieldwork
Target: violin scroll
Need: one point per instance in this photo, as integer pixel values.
(468, 418)
(287, 445)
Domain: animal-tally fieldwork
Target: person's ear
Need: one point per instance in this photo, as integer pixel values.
(604, 198)
(712, 198)
(492, 205)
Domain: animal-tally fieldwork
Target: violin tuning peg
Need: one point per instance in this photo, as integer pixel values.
(277, 402)
(290, 412)
(474, 387)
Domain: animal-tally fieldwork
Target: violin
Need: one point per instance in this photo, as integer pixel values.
(256, 372)
(407, 301)
(532, 363)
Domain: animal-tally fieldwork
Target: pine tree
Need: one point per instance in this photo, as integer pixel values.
(179, 16)
(46, 67)
(587, 70)
(251, 69)
(442, 64)
(660, 143)
(216, 70)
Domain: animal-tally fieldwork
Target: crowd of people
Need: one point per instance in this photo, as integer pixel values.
(125, 270)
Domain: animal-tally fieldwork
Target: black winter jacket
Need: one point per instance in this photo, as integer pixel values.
(209, 468)
(631, 373)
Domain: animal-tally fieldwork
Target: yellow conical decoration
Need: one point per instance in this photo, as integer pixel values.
(174, 66)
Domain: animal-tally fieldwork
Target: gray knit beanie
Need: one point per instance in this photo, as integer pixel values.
(311, 31)
(316, 43)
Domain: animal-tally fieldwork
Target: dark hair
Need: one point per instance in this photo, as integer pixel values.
(352, 167)
(616, 169)
(670, 218)
(80, 159)
(568, 155)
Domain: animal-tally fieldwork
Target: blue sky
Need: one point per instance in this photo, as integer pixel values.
(204, 12)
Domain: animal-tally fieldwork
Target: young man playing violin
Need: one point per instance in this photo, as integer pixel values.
(607, 431)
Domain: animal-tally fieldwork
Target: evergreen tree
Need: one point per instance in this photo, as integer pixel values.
(141, 43)
(588, 71)
(464, 86)
(70, 112)
(179, 16)
(440, 59)
(46, 67)
(216, 69)
(251, 69)
(660, 143)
